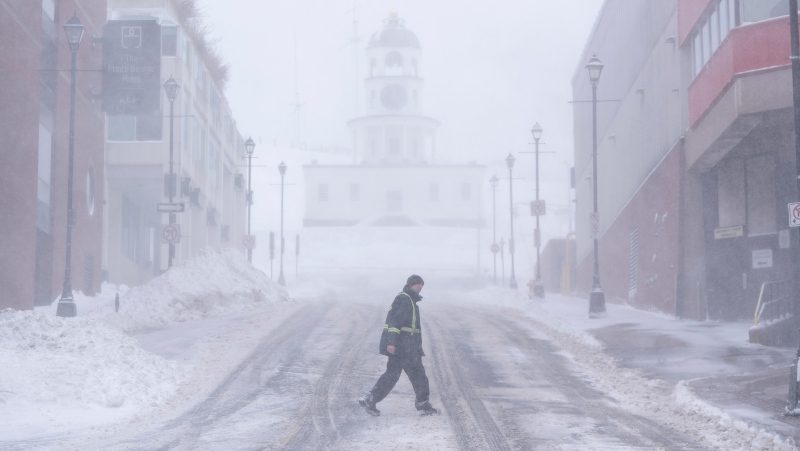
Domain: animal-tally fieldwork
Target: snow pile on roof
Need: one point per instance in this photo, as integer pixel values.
(66, 372)
(214, 283)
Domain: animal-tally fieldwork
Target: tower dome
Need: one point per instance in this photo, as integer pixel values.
(394, 34)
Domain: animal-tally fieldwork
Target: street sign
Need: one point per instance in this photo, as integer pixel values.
(538, 208)
(794, 214)
(171, 233)
(249, 241)
(762, 258)
(722, 233)
(536, 238)
(171, 208)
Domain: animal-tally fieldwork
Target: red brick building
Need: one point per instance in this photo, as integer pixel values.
(34, 126)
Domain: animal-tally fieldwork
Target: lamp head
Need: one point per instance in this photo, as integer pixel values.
(74, 29)
(171, 88)
(536, 131)
(595, 68)
(282, 168)
(510, 161)
(249, 146)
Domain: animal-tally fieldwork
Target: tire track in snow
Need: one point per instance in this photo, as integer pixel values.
(320, 424)
(474, 426)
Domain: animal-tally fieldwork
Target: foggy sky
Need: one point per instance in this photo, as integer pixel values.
(491, 68)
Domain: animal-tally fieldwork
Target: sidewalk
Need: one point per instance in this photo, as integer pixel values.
(713, 359)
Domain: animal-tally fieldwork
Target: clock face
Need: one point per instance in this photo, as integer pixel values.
(394, 97)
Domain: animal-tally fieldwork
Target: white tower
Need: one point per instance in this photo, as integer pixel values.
(393, 131)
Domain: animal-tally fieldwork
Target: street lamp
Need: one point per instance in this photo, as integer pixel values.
(66, 304)
(282, 170)
(171, 89)
(249, 147)
(512, 282)
(538, 287)
(597, 299)
(495, 248)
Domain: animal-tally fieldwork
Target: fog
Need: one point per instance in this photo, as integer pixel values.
(491, 70)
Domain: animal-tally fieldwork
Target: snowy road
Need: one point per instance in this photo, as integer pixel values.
(500, 381)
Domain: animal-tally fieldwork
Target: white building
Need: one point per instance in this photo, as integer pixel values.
(394, 180)
(208, 158)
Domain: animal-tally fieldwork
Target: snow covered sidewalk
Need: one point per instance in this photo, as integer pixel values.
(170, 341)
(685, 371)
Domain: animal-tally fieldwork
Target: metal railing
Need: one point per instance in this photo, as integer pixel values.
(774, 302)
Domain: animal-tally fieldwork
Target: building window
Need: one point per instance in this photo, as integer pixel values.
(761, 195)
(746, 193)
(433, 192)
(322, 193)
(394, 59)
(758, 10)
(169, 40)
(466, 191)
(394, 201)
(130, 230)
(715, 38)
(731, 193)
(49, 8)
(355, 192)
(712, 30)
(143, 127)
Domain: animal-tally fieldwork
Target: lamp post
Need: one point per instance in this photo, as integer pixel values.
(282, 170)
(171, 89)
(66, 304)
(597, 299)
(512, 281)
(538, 287)
(249, 147)
(495, 248)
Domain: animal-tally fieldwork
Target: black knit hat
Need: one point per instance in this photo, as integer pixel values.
(414, 279)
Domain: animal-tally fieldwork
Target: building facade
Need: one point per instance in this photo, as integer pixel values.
(394, 180)
(35, 61)
(703, 133)
(208, 155)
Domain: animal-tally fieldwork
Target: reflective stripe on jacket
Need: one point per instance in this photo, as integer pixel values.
(402, 328)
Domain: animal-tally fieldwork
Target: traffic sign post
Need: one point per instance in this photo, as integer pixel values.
(171, 233)
(538, 208)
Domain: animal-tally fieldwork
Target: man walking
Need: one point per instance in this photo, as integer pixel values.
(401, 341)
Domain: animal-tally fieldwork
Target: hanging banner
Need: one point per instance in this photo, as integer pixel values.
(131, 66)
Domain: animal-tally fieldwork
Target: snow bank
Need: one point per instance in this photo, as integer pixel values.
(212, 284)
(60, 373)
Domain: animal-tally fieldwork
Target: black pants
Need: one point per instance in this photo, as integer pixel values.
(412, 365)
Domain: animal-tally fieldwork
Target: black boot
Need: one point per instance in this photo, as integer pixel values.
(369, 405)
(425, 408)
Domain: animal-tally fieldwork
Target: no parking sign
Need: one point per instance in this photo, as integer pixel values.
(794, 214)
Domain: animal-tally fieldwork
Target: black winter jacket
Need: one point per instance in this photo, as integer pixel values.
(402, 328)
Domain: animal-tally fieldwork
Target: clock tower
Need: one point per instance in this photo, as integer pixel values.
(393, 131)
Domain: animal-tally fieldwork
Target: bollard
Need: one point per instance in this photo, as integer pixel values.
(794, 381)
